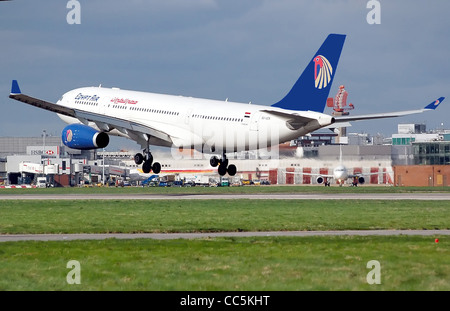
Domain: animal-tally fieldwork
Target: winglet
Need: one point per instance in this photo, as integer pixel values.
(435, 104)
(15, 88)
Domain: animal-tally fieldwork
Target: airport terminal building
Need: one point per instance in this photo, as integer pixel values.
(400, 160)
(22, 159)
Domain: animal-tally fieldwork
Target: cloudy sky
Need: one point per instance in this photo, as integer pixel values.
(252, 50)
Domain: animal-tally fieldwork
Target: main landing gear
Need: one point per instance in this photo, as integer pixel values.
(147, 159)
(223, 165)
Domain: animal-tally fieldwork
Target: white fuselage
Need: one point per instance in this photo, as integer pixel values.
(340, 173)
(203, 124)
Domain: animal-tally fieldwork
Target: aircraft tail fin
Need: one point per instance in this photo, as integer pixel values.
(311, 90)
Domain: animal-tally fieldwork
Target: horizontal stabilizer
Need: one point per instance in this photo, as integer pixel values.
(435, 104)
(429, 107)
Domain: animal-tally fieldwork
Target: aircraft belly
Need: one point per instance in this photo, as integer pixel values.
(236, 137)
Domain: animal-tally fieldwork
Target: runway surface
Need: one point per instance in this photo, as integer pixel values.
(173, 236)
(275, 196)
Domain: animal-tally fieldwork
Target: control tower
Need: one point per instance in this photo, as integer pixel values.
(340, 108)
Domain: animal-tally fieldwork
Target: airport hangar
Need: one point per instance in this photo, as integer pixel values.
(412, 157)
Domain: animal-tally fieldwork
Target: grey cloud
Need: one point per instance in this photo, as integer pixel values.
(245, 50)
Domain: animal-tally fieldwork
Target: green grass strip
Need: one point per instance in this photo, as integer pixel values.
(132, 216)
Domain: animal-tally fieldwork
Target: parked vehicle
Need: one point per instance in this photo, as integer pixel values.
(41, 182)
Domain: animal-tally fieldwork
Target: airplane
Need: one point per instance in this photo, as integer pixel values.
(214, 127)
(137, 175)
(340, 174)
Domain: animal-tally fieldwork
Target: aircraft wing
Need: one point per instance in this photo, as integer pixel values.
(309, 174)
(137, 131)
(133, 129)
(364, 174)
(17, 95)
(431, 106)
(312, 174)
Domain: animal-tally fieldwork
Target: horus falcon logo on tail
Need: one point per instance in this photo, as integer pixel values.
(322, 71)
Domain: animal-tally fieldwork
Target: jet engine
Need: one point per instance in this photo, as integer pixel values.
(361, 180)
(83, 137)
(320, 180)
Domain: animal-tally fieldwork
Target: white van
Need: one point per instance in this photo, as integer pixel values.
(41, 182)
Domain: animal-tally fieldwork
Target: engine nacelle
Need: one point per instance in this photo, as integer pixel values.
(361, 180)
(83, 137)
(320, 180)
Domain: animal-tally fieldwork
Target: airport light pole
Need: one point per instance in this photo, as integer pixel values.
(44, 133)
(103, 160)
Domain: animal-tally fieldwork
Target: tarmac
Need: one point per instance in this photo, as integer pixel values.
(275, 196)
(174, 236)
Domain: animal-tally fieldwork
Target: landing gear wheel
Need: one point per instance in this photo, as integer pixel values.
(147, 167)
(156, 168)
(224, 162)
(231, 170)
(214, 161)
(138, 158)
(149, 158)
(222, 170)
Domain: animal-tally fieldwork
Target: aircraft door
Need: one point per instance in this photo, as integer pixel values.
(188, 116)
(104, 106)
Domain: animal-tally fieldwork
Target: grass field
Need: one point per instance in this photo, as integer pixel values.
(266, 263)
(311, 263)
